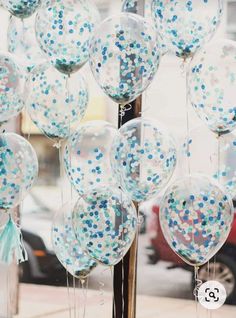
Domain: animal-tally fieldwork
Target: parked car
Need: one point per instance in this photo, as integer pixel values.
(43, 265)
(224, 269)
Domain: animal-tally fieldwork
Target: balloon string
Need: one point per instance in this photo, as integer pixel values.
(187, 118)
(85, 294)
(218, 157)
(74, 290)
(145, 103)
(23, 33)
(8, 293)
(198, 284)
(61, 173)
(113, 292)
(68, 293)
(214, 268)
(208, 278)
(101, 288)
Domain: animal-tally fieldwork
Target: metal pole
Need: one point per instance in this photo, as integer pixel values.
(125, 273)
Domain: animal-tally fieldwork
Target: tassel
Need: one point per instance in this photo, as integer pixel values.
(11, 244)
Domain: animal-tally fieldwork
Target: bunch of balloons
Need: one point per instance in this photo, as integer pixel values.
(108, 168)
(111, 168)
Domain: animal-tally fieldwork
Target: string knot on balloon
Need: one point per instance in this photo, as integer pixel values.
(124, 109)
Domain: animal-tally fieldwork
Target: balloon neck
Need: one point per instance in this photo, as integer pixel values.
(82, 281)
(221, 133)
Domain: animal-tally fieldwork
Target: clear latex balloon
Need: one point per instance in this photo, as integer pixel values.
(18, 169)
(212, 84)
(11, 88)
(67, 247)
(21, 8)
(105, 223)
(186, 25)
(196, 217)
(144, 157)
(215, 156)
(56, 103)
(64, 29)
(124, 56)
(132, 6)
(22, 42)
(87, 156)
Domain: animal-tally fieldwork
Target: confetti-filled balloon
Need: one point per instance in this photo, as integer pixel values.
(18, 169)
(67, 247)
(132, 6)
(186, 25)
(124, 56)
(21, 8)
(144, 157)
(64, 29)
(215, 156)
(87, 156)
(105, 222)
(22, 42)
(212, 85)
(196, 218)
(11, 88)
(56, 103)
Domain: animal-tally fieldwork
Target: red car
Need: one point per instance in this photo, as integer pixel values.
(225, 265)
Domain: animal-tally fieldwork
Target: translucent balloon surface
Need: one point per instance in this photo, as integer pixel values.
(21, 8)
(132, 6)
(144, 157)
(67, 247)
(87, 156)
(196, 218)
(22, 42)
(124, 56)
(186, 25)
(215, 156)
(212, 85)
(105, 222)
(56, 103)
(18, 169)
(64, 29)
(11, 88)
